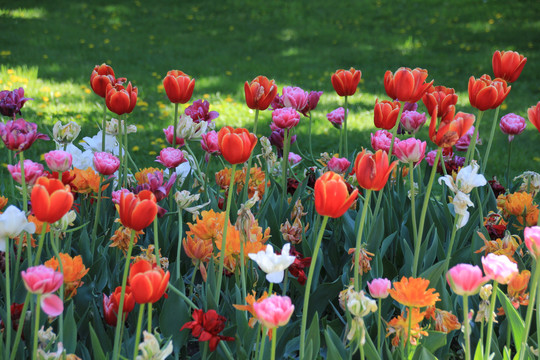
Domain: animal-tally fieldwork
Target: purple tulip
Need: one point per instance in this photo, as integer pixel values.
(11, 102)
(199, 111)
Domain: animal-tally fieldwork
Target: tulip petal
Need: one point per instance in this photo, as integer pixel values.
(52, 305)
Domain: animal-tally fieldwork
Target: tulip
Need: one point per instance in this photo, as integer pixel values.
(188, 129)
(336, 117)
(50, 199)
(294, 158)
(32, 171)
(534, 115)
(121, 100)
(260, 93)
(137, 211)
(178, 86)
(294, 97)
(148, 283)
(345, 82)
(313, 101)
(378, 288)
(512, 124)
(44, 281)
(105, 163)
(338, 165)
(410, 150)
(386, 114)
(101, 77)
(332, 197)
(285, 118)
(65, 134)
(206, 326)
(272, 264)
(372, 170)
(11, 102)
(169, 135)
(508, 65)
(532, 240)
(277, 138)
(200, 111)
(406, 84)
(485, 93)
(412, 121)
(58, 160)
(463, 142)
(445, 99)
(499, 268)
(465, 279)
(381, 140)
(449, 132)
(209, 143)
(12, 222)
(111, 304)
(273, 311)
(18, 135)
(236, 145)
(171, 157)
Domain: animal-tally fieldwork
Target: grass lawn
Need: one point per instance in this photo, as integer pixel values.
(51, 47)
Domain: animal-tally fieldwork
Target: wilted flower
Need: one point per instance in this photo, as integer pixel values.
(187, 129)
(531, 182)
(151, 349)
(445, 321)
(399, 326)
(521, 205)
(65, 134)
(112, 127)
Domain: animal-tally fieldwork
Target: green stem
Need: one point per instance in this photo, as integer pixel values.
(424, 211)
(96, 220)
(40, 244)
(8, 299)
(309, 136)
(284, 165)
(193, 277)
(390, 150)
(126, 150)
(451, 245)
(490, 321)
(490, 141)
(20, 327)
(242, 269)
(274, 336)
(413, 204)
(379, 327)
(357, 281)
(308, 287)
(224, 238)
(54, 244)
(408, 332)
(472, 143)
(246, 183)
(149, 322)
(345, 137)
(183, 296)
(23, 183)
(263, 343)
(197, 168)
(138, 331)
(362, 356)
(179, 246)
(467, 329)
(530, 307)
(120, 157)
(36, 326)
(508, 165)
(340, 141)
(156, 242)
(175, 124)
(103, 125)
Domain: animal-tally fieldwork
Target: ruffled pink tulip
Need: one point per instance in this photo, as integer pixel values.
(105, 163)
(338, 165)
(274, 311)
(44, 281)
(499, 268)
(117, 195)
(18, 135)
(378, 288)
(209, 143)
(171, 157)
(466, 279)
(412, 121)
(512, 124)
(410, 150)
(285, 118)
(381, 140)
(336, 117)
(294, 97)
(169, 134)
(463, 143)
(32, 171)
(58, 160)
(532, 240)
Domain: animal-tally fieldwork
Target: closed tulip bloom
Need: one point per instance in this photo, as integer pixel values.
(236, 145)
(45, 281)
(406, 84)
(274, 311)
(338, 165)
(345, 82)
(171, 157)
(260, 92)
(294, 97)
(412, 121)
(445, 99)
(499, 268)
(534, 115)
(18, 135)
(178, 86)
(532, 240)
(121, 100)
(449, 132)
(285, 118)
(148, 283)
(466, 279)
(32, 172)
(378, 288)
(386, 114)
(50, 199)
(209, 142)
(485, 93)
(508, 65)
(512, 124)
(372, 170)
(137, 211)
(105, 163)
(101, 77)
(332, 197)
(336, 117)
(58, 160)
(111, 305)
(410, 150)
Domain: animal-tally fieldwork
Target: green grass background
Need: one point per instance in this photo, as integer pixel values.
(51, 47)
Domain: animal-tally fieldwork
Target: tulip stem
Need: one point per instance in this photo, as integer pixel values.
(409, 320)
(193, 277)
(357, 279)
(36, 325)
(40, 244)
(8, 298)
(490, 321)
(179, 246)
(246, 182)
(508, 165)
(530, 307)
(138, 331)
(183, 296)
(379, 327)
(308, 287)
(451, 245)
(103, 125)
(467, 327)
(54, 244)
(198, 169)
(120, 316)
(263, 342)
(413, 203)
(490, 141)
(175, 124)
(156, 242)
(120, 157)
(284, 163)
(149, 325)
(230, 195)
(20, 327)
(424, 211)
(23, 183)
(274, 341)
(309, 137)
(345, 138)
(96, 220)
(125, 150)
(242, 268)
(472, 143)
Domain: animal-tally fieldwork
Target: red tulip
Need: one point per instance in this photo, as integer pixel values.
(449, 132)
(178, 86)
(236, 145)
(50, 199)
(137, 211)
(345, 82)
(121, 100)
(406, 84)
(260, 93)
(148, 283)
(508, 65)
(372, 170)
(485, 93)
(386, 114)
(111, 305)
(101, 77)
(206, 326)
(534, 115)
(444, 99)
(331, 195)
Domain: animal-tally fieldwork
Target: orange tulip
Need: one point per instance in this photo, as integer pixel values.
(406, 84)
(148, 283)
(345, 82)
(260, 93)
(137, 211)
(485, 93)
(372, 170)
(449, 132)
(50, 199)
(331, 195)
(386, 114)
(236, 145)
(121, 100)
(444, 99)
(101, 76)
(178, 86)
(508, 65)
(534, 115)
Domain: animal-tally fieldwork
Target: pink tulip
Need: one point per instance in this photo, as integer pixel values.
(499, 268)
(58, 160)
(117, 195)
(285, 118)
(410, 150)
(200, 111)
(45, 281)
(105, 163)
(169, 133)
(274, 311)
(466, 279)
(336, 117)
(464, 141)
(378, 288)
(294, 97)
(338, 165)
(171, 157)
(18, 135)
(313, 101)
(512, 124)
(412, 121)
(32, 171)
(381, 140)
(294, 158)
(209, 143)
(532, 240)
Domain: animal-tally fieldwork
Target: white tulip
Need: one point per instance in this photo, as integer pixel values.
(12, 222)
(272, 264)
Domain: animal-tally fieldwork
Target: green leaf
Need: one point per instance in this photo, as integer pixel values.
(313, 336)
(97, 351)
(479, 353)
(434, 341)
(334, 345)
(434, 273)
(517, 324)
(422, 353)
(174, 314)
(70, 330)
(319, 298)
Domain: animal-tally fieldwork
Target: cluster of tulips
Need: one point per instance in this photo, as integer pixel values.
(95, 207)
